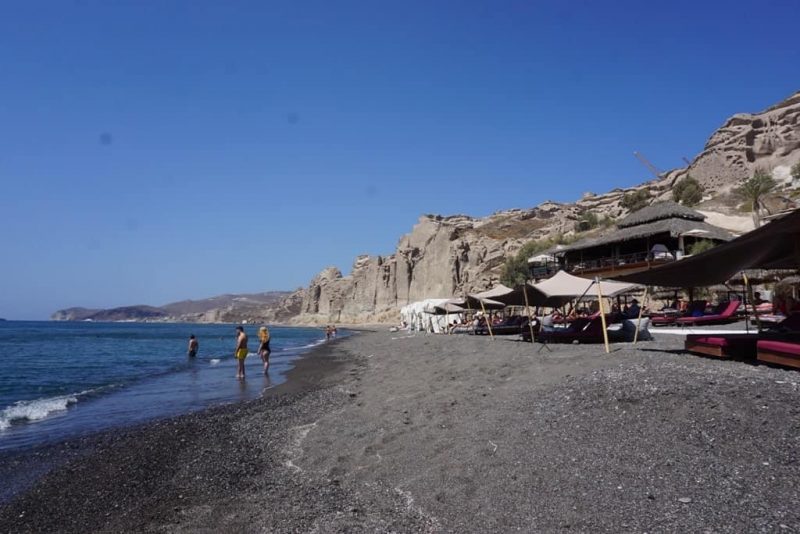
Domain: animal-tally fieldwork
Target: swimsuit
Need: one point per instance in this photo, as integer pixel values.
(192, 353)
(241, 354)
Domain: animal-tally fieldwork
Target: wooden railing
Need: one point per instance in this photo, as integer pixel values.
(612, 263)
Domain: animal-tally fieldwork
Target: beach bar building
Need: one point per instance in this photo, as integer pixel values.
(658, 234)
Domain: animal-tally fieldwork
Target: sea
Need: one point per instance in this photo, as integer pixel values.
(60, 380)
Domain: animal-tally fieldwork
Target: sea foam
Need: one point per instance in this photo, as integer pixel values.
(34, 410)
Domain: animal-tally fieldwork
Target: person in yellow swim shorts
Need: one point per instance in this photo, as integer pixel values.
(241, 351)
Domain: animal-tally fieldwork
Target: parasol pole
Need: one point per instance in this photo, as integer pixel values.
(749, 293)
(602, 312)
(527, 308)
(488, 320)
(641, 311)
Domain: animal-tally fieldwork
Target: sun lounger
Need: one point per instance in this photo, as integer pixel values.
(663, 319)
(509, 327)
(780, 352)
(725, 346)
(696, 307)
(726, 315)
(582, 330)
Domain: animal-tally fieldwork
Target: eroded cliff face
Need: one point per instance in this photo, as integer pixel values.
(442, 256)
(447, 256)
(769, 140)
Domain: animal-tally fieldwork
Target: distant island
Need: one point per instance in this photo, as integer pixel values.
(267, 306)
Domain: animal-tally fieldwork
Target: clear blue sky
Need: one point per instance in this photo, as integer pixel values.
(155, 151)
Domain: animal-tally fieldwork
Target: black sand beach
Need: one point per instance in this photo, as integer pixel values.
(390, 432)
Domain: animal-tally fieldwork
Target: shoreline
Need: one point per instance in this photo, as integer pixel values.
(454, 434)
(21, 469)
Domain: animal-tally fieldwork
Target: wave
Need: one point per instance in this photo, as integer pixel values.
(214, 361)
(34, 410)
(303, 347)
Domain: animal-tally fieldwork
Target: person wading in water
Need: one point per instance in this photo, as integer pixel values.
(194, 346)
(241, 351)
(263, 347)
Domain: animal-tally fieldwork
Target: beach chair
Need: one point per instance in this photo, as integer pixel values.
(781, 352)
(725, 313)
(582, 330)
(695, 307)
(724, 346)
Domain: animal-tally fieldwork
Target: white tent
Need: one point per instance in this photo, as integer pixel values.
(425, 315)
(497, 291)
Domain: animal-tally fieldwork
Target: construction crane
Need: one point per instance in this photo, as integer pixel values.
(650, 166)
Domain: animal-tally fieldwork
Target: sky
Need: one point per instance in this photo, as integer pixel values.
(157, 151)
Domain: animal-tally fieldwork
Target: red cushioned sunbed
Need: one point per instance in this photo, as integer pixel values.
(726, 316)
(582, 330)
(740, 346)
(780, 352)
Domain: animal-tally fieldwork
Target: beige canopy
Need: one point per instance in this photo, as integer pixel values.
(559, 289)
(473, 303)
(563, 284)
(497, 291)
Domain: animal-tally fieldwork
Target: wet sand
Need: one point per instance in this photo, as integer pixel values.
(395, 432)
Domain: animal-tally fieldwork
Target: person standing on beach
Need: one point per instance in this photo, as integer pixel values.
(194, 346)
(241, 351)
(263, 347)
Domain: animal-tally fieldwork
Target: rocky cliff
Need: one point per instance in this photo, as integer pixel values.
(446, 256)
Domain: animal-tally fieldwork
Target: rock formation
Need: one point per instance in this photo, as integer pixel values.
(447, 256)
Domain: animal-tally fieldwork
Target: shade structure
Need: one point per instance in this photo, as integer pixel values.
(535, 297)
(447, 308)
(473, 303)
(775, 245)
(431, 305)
(561, 288)
(491, 294)
(563, 284)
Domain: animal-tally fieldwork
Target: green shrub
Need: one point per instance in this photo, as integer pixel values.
(700, 246)
(635, 200)
(515, 271)
(688, 192)
(587, 221)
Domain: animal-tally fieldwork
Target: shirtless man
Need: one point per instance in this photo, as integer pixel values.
(193, 346)
(241, 351)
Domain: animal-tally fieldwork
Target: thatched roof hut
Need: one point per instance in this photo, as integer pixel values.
(674, 227)
(659, 232)
(661, 211)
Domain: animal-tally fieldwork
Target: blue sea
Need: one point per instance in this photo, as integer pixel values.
(65, 379)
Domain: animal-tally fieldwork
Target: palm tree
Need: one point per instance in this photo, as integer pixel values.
(753, 190)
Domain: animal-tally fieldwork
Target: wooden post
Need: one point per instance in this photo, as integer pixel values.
(527, 308)
(749, 291)
(488, 321)
(641, 311)
(602, 312)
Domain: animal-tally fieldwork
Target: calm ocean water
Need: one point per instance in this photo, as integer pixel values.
(62, 379)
